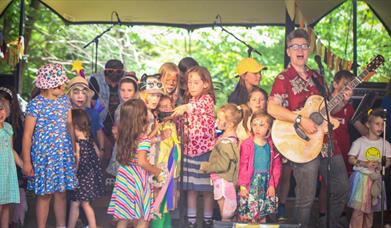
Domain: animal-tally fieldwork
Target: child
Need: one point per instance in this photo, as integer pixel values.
(150, 92)
(169, 157)
(89, 173)
(259, 171)
(127, 90)
(257, 100)
(9, 189)
(80, 95)
(339, 167)
(48, 148)
(16, 118)
(131, 198)
(224, 160)
(169, 77)
(199, 141)
(366, 154)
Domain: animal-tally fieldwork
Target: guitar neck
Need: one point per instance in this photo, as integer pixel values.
(335, 101)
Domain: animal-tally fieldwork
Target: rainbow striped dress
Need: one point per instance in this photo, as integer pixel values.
(132, 197)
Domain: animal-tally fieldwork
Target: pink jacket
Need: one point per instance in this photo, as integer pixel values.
(200, 128)
(246, 166)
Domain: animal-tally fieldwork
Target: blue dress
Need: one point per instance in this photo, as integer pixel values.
(9, 188)
(52, 153)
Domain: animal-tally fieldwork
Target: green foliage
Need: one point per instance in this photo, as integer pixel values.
(145, 48)
(335, 31)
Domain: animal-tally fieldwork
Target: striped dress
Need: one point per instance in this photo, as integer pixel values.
(132, 198)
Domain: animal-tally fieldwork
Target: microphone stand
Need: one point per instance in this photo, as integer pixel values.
(182, 202)
(383, 170)
(330, 148)
(250, 49)
(96, 41)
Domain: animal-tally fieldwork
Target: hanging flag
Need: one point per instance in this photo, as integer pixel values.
(332, 61)
(291, 8)
(338, 63)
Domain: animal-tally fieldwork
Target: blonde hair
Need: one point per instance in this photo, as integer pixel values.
(165, 70)
(168, 67)
(232, 113)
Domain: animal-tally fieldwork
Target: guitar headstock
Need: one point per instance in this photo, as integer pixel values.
(373, 65)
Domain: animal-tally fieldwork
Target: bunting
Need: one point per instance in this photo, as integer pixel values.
(13, 51)
(333, 61)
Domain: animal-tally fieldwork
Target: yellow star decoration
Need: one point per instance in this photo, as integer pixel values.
(77, 66)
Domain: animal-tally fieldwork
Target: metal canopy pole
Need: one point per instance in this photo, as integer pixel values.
(18, 76)
(289, 27)
(355, 64)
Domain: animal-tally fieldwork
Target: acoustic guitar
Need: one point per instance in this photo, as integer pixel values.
(297, 145)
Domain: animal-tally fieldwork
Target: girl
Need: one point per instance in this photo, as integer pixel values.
(169, 77)
(256, 102)
(127, 90)
(150, 92)
(259, 171)
(80, 95)
(366, 154)
(131, 198)
(9, 190)
(184, 65)
(89, 173)
(249, 71)
(16, 118)
(169, 157)
(200, 139)
(48, 149)
(224, 160)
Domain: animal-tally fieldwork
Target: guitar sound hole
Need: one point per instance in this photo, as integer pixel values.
(317, 118)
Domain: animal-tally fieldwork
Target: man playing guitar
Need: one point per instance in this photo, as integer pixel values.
(289, 93)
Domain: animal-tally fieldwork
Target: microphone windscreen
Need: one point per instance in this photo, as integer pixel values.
(318, 60)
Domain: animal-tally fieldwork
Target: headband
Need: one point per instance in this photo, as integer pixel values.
(8, 91)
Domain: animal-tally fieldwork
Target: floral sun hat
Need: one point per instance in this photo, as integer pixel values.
(51, 76)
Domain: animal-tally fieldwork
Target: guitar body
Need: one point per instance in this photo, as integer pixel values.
(291, 145)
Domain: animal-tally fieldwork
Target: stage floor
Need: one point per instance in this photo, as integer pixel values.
(105, 221)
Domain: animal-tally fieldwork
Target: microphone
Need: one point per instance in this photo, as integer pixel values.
(216, 21)
(118, 19)
(318, 61)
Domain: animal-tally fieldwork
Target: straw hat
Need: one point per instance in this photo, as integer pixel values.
(82, 82)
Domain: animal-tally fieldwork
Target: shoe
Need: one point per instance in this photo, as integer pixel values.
(281, 213)
(191, 225)
(322, 222)
(207, 224)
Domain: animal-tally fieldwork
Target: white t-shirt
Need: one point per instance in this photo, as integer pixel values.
(370, 150)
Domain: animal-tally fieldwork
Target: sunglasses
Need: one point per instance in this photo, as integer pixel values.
(114, 71)
(298, 46)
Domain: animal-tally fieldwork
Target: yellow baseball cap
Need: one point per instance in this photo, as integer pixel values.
(249, 65)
